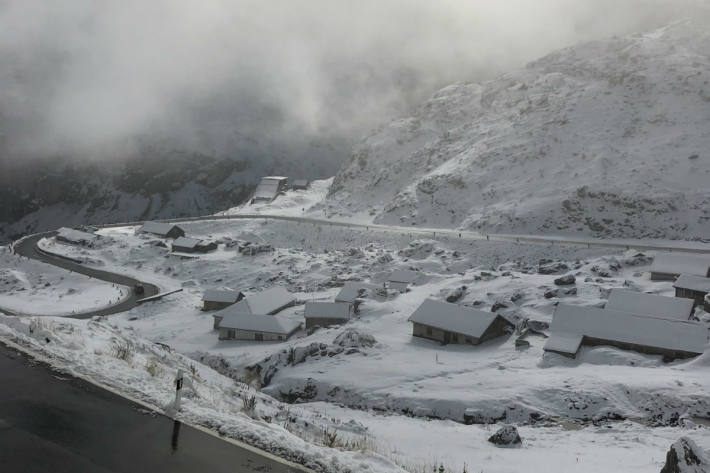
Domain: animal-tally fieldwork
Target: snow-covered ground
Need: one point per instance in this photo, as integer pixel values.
(405, 397)
(31, 287)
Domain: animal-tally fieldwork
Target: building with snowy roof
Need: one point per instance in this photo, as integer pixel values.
(162, 229)
(325, 314)
(257, 327)
(300, 185)
(650, 305)
(269, 188)
(216, 299)
(692, 287)
(400, 279)
(268, 302)
(452, 323)
(193, 245)
(574, 326)
(353, 292)
(668, 266)
(76, 237)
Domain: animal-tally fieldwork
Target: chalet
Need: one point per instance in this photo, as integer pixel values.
(452, 323)
(193, 245)
(268, 302)
(162, 229)
(650, 305)
(76, 237)
(574, 326)
(258, 327)
(300, 185)
(400, 279)
(269, 188)
(216, 299)
(668, 266)
(325, 314)
(691, 287)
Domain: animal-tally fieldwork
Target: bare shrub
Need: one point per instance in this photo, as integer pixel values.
(123, 350)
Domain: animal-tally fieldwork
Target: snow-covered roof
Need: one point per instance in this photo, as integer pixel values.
(273, 178)
(649, 304)
(329, 310)
(351, 291)
(571, 323)
(300, 183)
(158, 228)
(681, 263)
(259, 323)
(76, 236)
(186, 242)
(453, 318)
(269, 301)
(694, 283)
(403, 275)
(220, 295)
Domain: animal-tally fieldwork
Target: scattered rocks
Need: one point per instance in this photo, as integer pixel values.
(565, 280)
(548, 267)
(685, 456)
(499, 305)
(353, 338)
(550, 293)
(456, 294)
(506, 436)
(521, 343)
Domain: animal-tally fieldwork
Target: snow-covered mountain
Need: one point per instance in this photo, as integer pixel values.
(610, 138)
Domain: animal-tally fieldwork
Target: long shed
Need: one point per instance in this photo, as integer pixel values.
(76, 237)
(215, 299)
(400, 279)
(193, 245)
(691, 287)
(269, 188)
(651, 305)
(163, 229)
(268, 302)
(257, 327)
(325, 314)
(668, 266)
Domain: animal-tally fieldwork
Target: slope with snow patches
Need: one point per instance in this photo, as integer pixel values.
(608, 138)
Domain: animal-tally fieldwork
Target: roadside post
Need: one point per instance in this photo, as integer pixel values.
(179, 380)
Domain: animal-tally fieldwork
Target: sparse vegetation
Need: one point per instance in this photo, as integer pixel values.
(248, 404)
(123, 350)
(153, 367)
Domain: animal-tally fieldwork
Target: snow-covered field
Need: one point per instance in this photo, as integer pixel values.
(403, 398)
(31, 287)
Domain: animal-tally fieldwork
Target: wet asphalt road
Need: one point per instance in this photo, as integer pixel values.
(51, 422)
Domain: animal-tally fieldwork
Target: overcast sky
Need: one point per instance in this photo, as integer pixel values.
(87, 77)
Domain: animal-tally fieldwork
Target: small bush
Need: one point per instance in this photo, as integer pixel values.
(330, 439)
(153, 368)
(248, 404)
(123, 350)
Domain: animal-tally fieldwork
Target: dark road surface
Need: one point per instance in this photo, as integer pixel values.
(50, 422)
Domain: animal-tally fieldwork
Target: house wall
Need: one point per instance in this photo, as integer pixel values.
(183, 249)
(697, 296)
(217, 320)
(666, 353)
(656, 276)
(398, 286)
(175, 233)
(236, 334)
(323, 321)
(498, 328)
(433, 333)
(213, 305)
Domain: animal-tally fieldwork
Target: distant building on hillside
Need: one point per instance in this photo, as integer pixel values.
(452, 323)
(216, 299)
(650, 305)
(300, 185)
(165, 230)
(574, 326)
(353, 292)
(257, 327)
(76, 237)
(193, 245)
(268, 302)
(668, 266)
(400, 279)
(692, 287)
(269, 188)
(325, 314)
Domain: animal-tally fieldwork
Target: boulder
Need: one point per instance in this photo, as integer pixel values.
(521, 343)
(551, 268)
(550, 293)
(507, 436)
(456, 294)
(685, 456)
(565, 280)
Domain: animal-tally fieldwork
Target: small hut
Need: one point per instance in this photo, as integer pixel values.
(216, 299)
(193, 245)
(162, 229)
(325, 314)
(692, 287)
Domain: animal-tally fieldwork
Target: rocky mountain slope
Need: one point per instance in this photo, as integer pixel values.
(609, 138)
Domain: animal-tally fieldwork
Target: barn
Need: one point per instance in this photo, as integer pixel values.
(452, 323)
(162, 229)
(269, 188)
(76, 237)
(257, 327)
(400, 279)
(216, 299)
(691, 287)
(574, 326)
(268, 302)
(668, 266)
(325, 314)
(650, 305)
(193, 245)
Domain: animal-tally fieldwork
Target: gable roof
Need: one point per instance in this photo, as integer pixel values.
(76, 236)
(649, 304)
(351, 291)
(266, 302)
(186, 242)
(259, 323)
(404, 275)
(681, 263)
(220, 295)
(158, 228)
(453, 318)
(571, 323)
(693, 283)
(327, 310)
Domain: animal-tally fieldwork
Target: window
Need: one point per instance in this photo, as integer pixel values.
(280, 337)
(454, 337)
(429, 331)
(469, 340)
(231, 334)
(258, 336)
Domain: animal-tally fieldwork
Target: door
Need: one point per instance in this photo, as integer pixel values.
(447, 338)
(258, 336)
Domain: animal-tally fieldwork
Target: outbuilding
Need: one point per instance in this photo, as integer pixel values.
(649, 305)
(668, 266)
(257, 327)
(193, 245)
(76, 237)
(400, 279)
(353, 293)
(452, 323)
(325, 314)
(216, 299)
(691, 287)
(300, 185)
(574, 326)
(269, 188)
(268, 302)
(162, 229)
